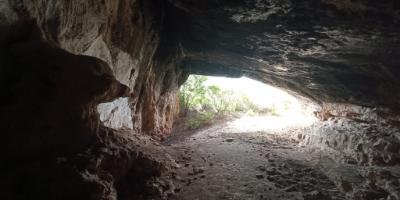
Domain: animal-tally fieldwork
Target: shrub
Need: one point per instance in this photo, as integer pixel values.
(200, 119)
(205, 101)
(195, 95)
(192, 94)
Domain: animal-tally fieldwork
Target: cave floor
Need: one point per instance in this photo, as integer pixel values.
(229, 161)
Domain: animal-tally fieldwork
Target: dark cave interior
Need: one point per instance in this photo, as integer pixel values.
(60, 60)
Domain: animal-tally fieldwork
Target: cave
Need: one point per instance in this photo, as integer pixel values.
(90, 91)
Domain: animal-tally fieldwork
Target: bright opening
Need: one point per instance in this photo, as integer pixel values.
(251, 105)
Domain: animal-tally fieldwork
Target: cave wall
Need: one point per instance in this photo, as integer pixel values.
(366, 136)
(54, 145)
(365, 141)
(126, 35)
(327, 50)
(72, 70)
(341, 54)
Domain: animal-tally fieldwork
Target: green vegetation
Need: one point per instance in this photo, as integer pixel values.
(196, 95)
(192, 94)
(200, 119)
(205, 102)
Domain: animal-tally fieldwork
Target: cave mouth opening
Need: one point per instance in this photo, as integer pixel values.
(246, 104)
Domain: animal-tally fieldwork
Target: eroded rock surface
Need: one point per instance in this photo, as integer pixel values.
(359, 136)
(251, 161)
(328, 50)
(366, 136)
(340, 54)
(126, 35)
(53, 143)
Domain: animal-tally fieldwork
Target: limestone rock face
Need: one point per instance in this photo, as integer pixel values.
(54, 145)
(59, 99)
(358, 136)
(41, 101)
(126, 35)
(327, 50)
(368, 137)
(71, 72)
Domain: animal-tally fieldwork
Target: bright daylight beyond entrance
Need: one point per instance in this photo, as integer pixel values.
(247, 104)
(236, 139)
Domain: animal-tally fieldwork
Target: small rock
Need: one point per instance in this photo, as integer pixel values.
(272, 172)
(178, 178)
(177, 190)
(229, 140)
(291, 188)
(261, 168)
(259, 176)
(198, 170)
(316, 195)
(176, 165)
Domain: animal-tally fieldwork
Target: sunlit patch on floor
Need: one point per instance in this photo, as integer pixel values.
(268, 123)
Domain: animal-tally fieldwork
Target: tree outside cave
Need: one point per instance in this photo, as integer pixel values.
(205, 100)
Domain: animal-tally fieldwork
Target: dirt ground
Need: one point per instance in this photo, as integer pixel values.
(244, 159)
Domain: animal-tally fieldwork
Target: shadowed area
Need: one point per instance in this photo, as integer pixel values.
(91, 91)
(326, 50)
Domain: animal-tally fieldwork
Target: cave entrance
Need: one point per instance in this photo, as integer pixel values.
(237, 138)
(247, 104)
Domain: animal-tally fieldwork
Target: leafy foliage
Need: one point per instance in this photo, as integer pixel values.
(200, 119)
(205, 102)
(196, 95)
(193, 93)
(209, 100)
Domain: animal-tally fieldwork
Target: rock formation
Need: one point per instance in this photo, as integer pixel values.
(329, 51)
(72, 72)
(54, 146)
(126, 35)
